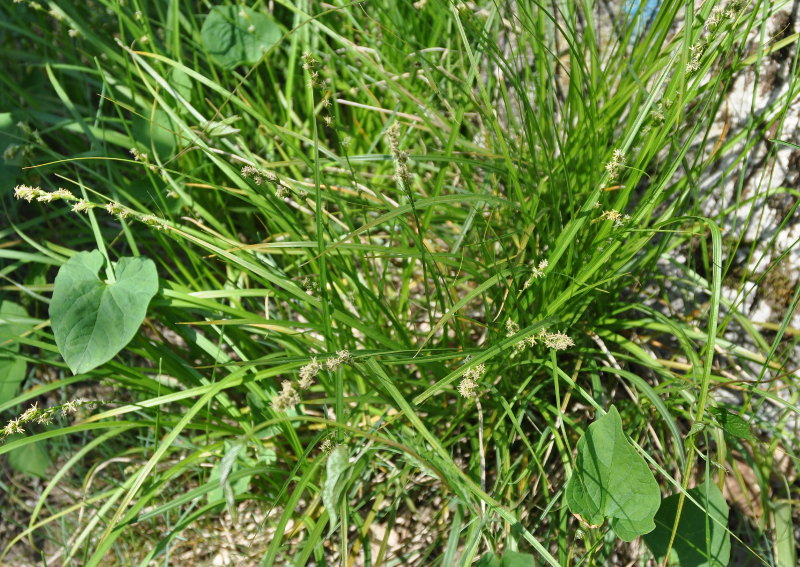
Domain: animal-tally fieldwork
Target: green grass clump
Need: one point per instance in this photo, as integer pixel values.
(406, 257)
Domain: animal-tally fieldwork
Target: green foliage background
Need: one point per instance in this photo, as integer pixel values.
(408, 168)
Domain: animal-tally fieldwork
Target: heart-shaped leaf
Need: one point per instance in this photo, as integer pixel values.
(10, 161)
(12, 373)
(336, 477)
(92, 320)
(733, 424)
(157, 131)
(509, 559)
(611, 480)
(12, 367)
(517, 559)
(237, 35)
(702, 539)
(182, 83)
(32, 459)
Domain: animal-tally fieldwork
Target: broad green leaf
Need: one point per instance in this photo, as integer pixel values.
(702, 538)
(93, 320)
(220, 477)
(157, 132)
(149, 191)
(218, 128)
(32, 459)
(517, 559)
(337, 474)
(11, 325)
(785, 550)
(10, 169)
(12, 367)
(732, 424)
(612, 481)
(237, 35)
(488, 559)
(12, 373)
(182, 83)
(509, 559)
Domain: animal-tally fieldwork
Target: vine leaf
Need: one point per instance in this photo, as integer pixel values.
(32, 459)
(612, 481)
(338, 471)
(12, 367)
(237, 35)
(702, 539)
(509, 559)
(733, 424)
(93, 320)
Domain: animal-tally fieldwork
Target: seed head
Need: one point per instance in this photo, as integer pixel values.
(154, 221)
(536, 272)
(476, 372)
(287, 398)
(30, 413)
(250, 172)
(512, 328)
(558, 341)
(308, 373)
(327, 446)
(468, 387)
(45, 416)
(342, 357)
(117, 210)
(81, 205)
(714, 18)
(63, 194)
(137, 155)
(308, 61)
(28, 193)
(12, 427)
(615, 166)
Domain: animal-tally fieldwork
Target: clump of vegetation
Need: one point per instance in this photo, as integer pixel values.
(384, 283)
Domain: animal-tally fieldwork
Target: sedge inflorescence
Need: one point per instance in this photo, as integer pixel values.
(616, 165)
(43, 416)
(78, 205)
(615, 216)
(289, 395)
(401, 172)
(715, 22)
(468, 387)
(556, 341)
(537, 272)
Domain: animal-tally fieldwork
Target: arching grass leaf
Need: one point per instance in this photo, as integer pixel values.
(612, 481)
(93, 320)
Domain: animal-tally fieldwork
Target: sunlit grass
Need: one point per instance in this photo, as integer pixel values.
(475, 203)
